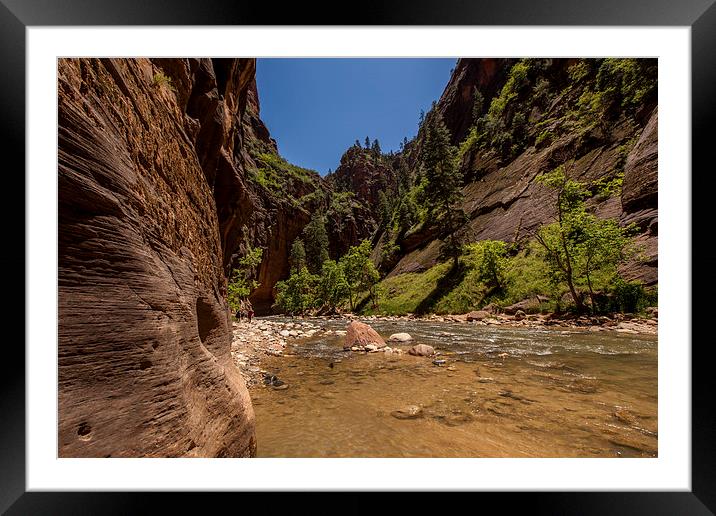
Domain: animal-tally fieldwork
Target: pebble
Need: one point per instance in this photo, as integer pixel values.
(409, 412)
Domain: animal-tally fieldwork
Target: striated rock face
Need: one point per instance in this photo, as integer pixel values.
(501, 198)
(639, 202)
(145, 229)
(639, 190)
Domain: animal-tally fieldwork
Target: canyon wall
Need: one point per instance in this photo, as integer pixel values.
(150, 189)
(167, 175)
(502, 199)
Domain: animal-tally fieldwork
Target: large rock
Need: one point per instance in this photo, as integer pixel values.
(400, 337)
(477, 315)
(422, 350)
(529, 305)
(359, 334)
(144, 337)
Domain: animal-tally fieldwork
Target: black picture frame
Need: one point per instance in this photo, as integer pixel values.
(700, 15)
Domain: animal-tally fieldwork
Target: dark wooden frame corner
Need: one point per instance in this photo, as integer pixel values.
(17, 15)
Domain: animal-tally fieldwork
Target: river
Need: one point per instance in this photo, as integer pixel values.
(502, 392)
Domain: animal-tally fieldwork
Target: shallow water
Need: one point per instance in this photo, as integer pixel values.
(503, 392)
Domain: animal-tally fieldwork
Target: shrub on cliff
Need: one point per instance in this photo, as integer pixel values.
(160, 79)
(242, 281)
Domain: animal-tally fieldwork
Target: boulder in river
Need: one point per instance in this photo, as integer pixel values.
(360, 334)
(526, 305)
(519, 315)
(422, 350)
(477, 315)
(400, 337)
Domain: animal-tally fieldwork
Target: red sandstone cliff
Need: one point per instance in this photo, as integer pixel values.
(144, 221)
(500, 196)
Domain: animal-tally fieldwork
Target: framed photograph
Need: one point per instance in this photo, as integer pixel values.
(420, 252)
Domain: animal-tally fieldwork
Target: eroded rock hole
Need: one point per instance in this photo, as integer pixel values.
(207, 319)
(84, 431)
(145, 364)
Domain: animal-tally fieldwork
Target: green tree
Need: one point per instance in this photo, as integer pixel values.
(478, 106)
(367, 142)
(315, 240)
(407, 213)
(243, 278)
(375, 149)
(403, 176)
(297, 294)
(359, 272)
(491, 268)
(297, 257)
(443, 193)
(404, 143)
(333, 288)
(384, 211)
(579, 245)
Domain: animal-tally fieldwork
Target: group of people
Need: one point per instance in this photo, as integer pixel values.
(245, 310)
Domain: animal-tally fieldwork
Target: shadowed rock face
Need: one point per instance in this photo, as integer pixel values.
(144, 335)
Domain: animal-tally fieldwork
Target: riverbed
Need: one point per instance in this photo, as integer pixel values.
(500, 392)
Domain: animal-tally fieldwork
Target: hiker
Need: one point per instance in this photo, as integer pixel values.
(249, 310)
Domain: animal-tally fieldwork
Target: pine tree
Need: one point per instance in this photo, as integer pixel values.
(403, 176)
(384, 210)
(315, 240)
(443, 193)
(477, 106)
(367, 142)
(297, 257)
(375, 148)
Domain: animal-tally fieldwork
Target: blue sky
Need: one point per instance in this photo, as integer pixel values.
(317, 108)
